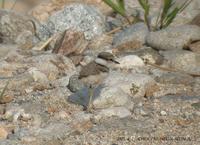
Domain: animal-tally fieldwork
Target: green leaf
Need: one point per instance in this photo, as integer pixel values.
(121, 4)
(170, 17)
(119, 7)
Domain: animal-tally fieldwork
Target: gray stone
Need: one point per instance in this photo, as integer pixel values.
(6, 49)
(75, 84)
(136, 32)
(82, 17)
(126, 80)
(37, 75)
(174, 78)
(173, 38)
(52, 65)
(182, 60)
(83, 96)
(17, 28)
(112, 97)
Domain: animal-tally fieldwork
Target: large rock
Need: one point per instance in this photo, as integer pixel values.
(112, 97)
(132, 37)
(135, 32)
(52, 65)
(117, 89)
(183, 60)
(17, 28)
(174, 37)
(79, 16)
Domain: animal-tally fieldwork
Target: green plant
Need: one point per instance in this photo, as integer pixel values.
(167, 14)
(118, 6)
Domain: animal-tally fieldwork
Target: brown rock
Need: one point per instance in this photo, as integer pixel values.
(6, 99)
(72, 42)
(195, 47)
(150, 91)
(196, 20)
(3, 133)
(81, 127)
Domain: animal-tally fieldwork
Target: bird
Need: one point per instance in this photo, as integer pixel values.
(107, 56)
(100, 64)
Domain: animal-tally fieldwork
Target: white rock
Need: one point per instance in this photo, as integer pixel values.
(84, 18)
(37, 75)
(125, 81)
(129, 62)
(163, 113)
(111, 97)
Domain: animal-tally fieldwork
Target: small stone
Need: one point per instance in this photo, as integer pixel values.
(37, 75)
(163, 113)
(25, 116)
(3, 133)
(75, 84)
(6, 99)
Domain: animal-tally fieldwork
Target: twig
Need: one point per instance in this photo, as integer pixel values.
(117, 29)
(172, 70)
(47, 42)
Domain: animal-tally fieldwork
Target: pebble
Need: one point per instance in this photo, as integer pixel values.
(163, 113)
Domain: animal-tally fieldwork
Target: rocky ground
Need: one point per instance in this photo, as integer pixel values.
(70, 80)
